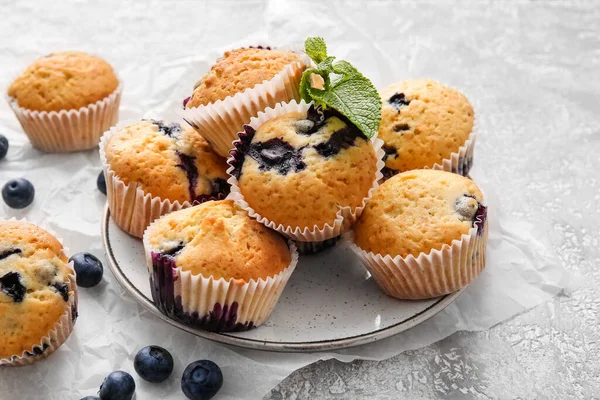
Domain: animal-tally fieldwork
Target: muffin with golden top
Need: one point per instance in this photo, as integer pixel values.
(304, 171)
(425, 124)
(158, 162)
(423, 234)
(66, 100)
(215, 268)
(239, 85)
(38, 294)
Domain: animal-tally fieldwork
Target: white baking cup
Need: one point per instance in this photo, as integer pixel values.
(131, 208)
(192, 299)
(69, 130)
(61, 329)
(345, 216)
(430, 275)
(219, 122)
(460, 162)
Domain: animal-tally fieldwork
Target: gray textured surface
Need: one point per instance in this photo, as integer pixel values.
(536, 70)
(533, 71)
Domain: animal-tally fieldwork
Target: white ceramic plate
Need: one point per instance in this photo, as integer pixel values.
(329, 303)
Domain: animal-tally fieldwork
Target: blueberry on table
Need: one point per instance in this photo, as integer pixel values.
(153, 364)
(18, 193)
(201, 380)
(88, 269)
(101, 183)
(119, 385)
(3, 146)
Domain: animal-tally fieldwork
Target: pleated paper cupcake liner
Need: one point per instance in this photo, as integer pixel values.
(430, 275)
(315, 239)
(217, 305)
(219, 122)
(61, 330)
(69, 130)
(131, 208)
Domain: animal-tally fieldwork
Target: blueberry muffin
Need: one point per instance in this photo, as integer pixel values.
(165, 161)
(206, 261)
(239, 85)
(237, 71)
(36, 293)
(301, 168)
(422, 123)
(423, 233)
(82, 88)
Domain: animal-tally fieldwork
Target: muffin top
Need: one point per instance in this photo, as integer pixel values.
(299, 168)
(237, 71)
(417, 211)
(422, 123)
(168, 161)
(34, 291)
(219, 239)
(64, 81)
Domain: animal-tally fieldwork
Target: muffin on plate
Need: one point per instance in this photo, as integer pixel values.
(66, 100)
(304, 172)
(154, 167)
(423, 234)
(239, 85)
(214, 268)
(425, 124)
(38, 294)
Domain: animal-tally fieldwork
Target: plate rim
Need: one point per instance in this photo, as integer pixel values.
(254, 344)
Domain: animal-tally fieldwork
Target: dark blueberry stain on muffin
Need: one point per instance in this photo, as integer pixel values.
(469, 208)
(74, 313)
(480, 217)
(219, 187)
(173, 251)
(389, 152)
(11, 285)
(185, 101)
(63, 289)
(9, 252)
(401, 128)
(315, 119)
(388, 173)
(339, 140)
(172, 130)
(398, 100)
(37, 350)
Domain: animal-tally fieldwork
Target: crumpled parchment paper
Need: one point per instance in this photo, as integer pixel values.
(158, 67)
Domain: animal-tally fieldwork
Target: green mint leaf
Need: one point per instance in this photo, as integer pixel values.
(345, 89)
(316, 48)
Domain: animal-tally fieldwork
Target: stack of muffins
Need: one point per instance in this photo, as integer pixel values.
(226, 205)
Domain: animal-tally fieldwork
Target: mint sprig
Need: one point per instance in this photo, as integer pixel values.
(345, 89)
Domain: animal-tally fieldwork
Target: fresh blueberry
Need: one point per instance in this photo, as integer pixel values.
(119, 385)
(18, 193)
(3, 146)
(153, 364)
(201, 380)
(88, 269)
(101, 183)
(91, 398)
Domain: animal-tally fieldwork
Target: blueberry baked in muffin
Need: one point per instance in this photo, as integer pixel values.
(423, 234)
(215, 268)
(239, 85)
(162, 160)
(66, 100)
(37, 293)
(298, 170)
(422, 124)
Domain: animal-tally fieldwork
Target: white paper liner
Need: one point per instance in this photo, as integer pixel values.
(131, 208)
(69, 130)
(219, 122)
(430, 275)
(61, 329)
(345, 217)
(255, 299)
